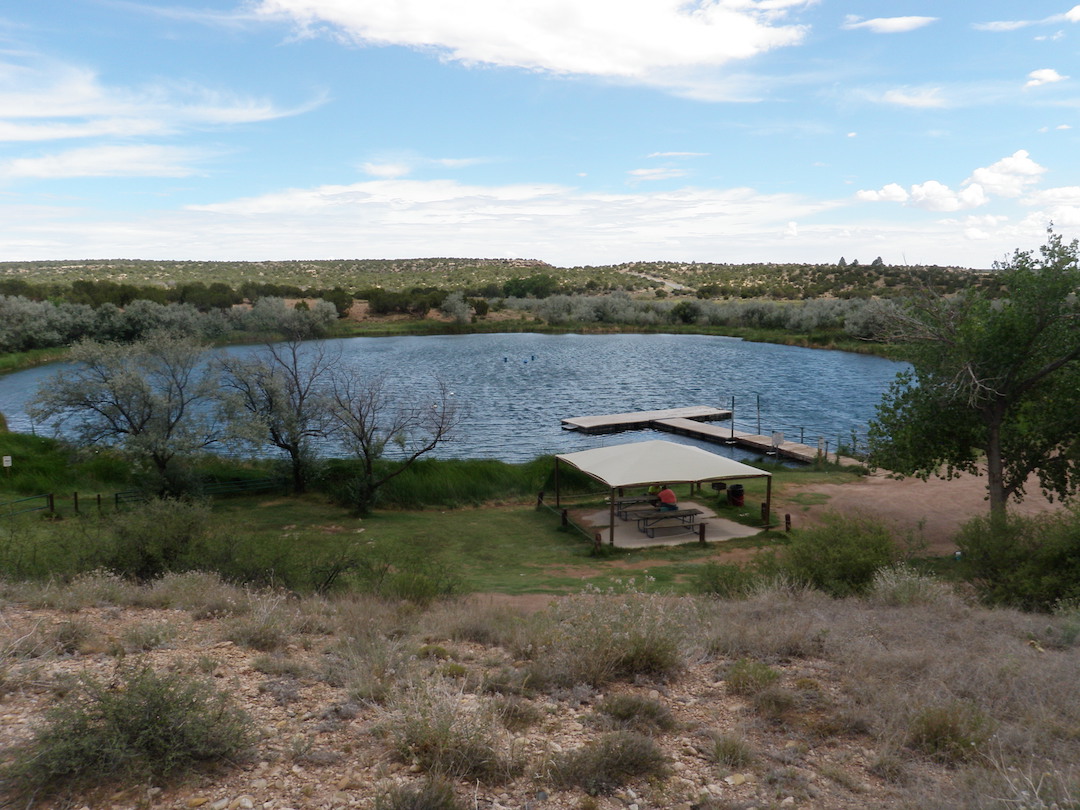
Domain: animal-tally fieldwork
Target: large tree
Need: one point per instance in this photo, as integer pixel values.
(284, 391)
(152, 399)
(370, 418)
(995, 381)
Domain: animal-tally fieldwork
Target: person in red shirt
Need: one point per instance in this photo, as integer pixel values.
(668, 501)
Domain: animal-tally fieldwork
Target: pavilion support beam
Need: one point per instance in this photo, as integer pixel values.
(768, 500)
(557, 482)
(611, 519)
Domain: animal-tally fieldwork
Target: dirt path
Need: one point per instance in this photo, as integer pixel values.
(932, 509)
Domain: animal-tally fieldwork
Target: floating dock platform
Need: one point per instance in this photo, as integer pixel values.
(640, 420)
(696, 422)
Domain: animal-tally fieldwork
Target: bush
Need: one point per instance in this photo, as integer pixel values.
(140, 725)
(433, 794)
(951, 733)
(1030, 563)
(748, 678)
(724, 580)
(839, 557)
(636, 713)
(155, 538)
(730, 751)
(607, 764)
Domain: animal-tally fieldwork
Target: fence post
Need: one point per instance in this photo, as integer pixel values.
(701, 533)
(765, 513)
(52, 504)
(787, 522)
(597, 541)
(540, 499)
(565, 518)
(99, 501)
(75, 501)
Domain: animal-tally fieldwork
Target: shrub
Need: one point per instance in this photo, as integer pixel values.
(433, 794)
(1026, 562)
(724, 580)
(608, 763)
(636, 713)
(730, 751)
(902, 585)
(141, 724)
(155, 537)
(951, 733)
(841, 556)
(746, 677)
(447, 735)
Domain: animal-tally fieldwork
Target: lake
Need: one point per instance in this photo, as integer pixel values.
(515, 388)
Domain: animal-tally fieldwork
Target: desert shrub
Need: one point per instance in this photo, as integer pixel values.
(267, 628)
(901, 584)
(606, 764)
(516, 713)
(432, 794)
(724, 580)
(154, 538)
(140, 724)
(951, 733)
(638, 635)
(730, 751)
(775, 703)
(636, 713)
(1026, 562)
(746, 677)
(841, 556)
(203, 594)
(147, 636)
(448, 735)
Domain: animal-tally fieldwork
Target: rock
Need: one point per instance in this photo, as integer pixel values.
(788, 802)
(197, 801)
(735, 779)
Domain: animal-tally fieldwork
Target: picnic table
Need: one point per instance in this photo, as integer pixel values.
(654, 519)
(625, 507)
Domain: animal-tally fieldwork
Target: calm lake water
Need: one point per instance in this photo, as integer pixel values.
(515, 388)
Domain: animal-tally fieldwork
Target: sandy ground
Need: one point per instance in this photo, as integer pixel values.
(931, 510)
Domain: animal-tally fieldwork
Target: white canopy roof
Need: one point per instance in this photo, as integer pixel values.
(658, 461)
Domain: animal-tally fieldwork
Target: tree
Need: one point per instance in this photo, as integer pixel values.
(285, 393)
(152, 399)
(994, 381)
(368, 421)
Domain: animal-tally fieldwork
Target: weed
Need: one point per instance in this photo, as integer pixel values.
(515, 713)
(432, 794)
(952, 733)
(748, 678)
(606, 764)
(140, 724)
(266, 629)
(636, 713)
(147, 636)
(775, 703)
(448, 736)
(730, 751)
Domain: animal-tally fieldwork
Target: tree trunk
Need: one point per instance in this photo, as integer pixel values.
(995, 468)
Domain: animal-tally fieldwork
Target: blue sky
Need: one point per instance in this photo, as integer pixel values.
(572, 131)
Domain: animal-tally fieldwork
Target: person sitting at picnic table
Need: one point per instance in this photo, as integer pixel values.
(668, 501)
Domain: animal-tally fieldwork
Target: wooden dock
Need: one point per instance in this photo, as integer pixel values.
(697, 422)
(639, 420)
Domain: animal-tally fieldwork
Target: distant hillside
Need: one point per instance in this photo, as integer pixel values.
(486, 276)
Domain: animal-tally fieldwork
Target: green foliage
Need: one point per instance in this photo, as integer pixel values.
(724, 580)
(841, 556)
(1032, 563)
(749, 678)
(730, 751)
(994, 376)
(431, 794)
(157, 537)
(951, 733)
(636, 713)
(604, 765)
(140, 724)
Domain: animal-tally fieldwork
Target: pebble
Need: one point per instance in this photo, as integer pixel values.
(197, 801)
(220, 804)
(788, 802)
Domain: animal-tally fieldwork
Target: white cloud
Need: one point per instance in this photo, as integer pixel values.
(386, 170)
(1071, 16)
(916, 97)
(44, 99)
(602, 37)
(1063, 195)
(1044, 76)
(661, 173)
(1008, 177)
(887, 25)
(107, 161)
(677, 154)
(888, 193)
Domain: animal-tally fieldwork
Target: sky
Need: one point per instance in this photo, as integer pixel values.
(576, 132)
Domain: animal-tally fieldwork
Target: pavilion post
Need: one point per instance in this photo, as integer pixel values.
(556, 482)
(768, 499)
(611, 518)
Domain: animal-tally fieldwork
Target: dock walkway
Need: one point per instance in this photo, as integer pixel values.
(639, 420)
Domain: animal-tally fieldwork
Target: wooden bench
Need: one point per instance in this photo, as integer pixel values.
(649, 522)
(626, 507)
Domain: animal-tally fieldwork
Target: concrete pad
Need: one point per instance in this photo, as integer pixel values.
(717, 529)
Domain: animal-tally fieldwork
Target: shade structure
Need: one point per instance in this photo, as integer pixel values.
(657, 461)
(637, 464)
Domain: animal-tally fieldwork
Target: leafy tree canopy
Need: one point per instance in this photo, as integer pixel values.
(994, 381)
